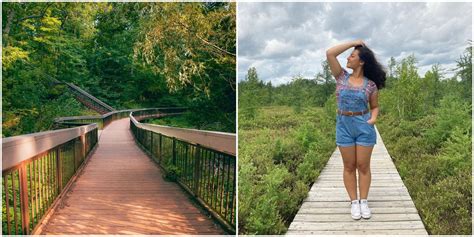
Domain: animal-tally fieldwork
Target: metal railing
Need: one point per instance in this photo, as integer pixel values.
(105, 119)
(207, 172)
(36, 169)
(89, 100)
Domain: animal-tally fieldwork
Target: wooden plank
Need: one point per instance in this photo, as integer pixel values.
(340, 198)
(344, 196)
(374, 165)
(328, 191)
(386, 183)
(373, 172)
(346, 210)
(373, 175)
(80, 228)
(343, 217)
(111, 220)
(358, 232)
(372, 204)
(356, 225)
(326, 209)
(336, 185)
(374, 189)
(121, 191)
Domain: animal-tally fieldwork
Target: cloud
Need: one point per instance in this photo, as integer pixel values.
(283, 40)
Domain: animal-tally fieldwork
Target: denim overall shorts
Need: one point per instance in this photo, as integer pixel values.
(354, 130)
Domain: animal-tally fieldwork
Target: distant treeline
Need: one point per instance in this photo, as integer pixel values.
(414, 94)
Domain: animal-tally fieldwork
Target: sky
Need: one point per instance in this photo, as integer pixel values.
(284, 40)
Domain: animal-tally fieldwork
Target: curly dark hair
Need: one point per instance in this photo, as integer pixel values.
(372, 68)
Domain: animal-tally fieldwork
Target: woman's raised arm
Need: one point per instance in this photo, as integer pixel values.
(334, 51)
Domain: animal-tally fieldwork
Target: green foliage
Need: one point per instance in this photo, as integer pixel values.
(280, 154)
(465, 72)
(451, 113)
(172, 173)
(11, 54)
(190, 120)
(98, 46)
(403, 101)
(428, 134)
(189, 39)
(299, 93)
(446, 205)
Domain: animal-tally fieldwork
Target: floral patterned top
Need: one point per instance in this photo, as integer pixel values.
(342, 83)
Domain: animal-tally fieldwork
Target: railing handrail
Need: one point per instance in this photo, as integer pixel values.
(83, 92)
(64, 119)
(206, 170)
(219, 141)
(23, 147)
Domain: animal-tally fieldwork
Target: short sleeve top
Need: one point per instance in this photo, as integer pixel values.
(370, 89)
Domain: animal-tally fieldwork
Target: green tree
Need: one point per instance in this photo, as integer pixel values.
(432, 90)
(464, 65)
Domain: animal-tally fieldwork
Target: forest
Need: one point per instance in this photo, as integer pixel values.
(287, 134)
(129, 55)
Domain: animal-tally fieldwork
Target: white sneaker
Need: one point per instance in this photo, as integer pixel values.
(355, 210)
(364, 209)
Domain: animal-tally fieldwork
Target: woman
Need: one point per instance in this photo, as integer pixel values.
(355, 131)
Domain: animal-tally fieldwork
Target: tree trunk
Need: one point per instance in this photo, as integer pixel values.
(6, 31)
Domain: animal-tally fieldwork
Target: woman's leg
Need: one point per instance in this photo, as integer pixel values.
(363, 154)
(349, 176)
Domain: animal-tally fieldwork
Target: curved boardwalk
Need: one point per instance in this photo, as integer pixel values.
(326, 210)
(121, 191)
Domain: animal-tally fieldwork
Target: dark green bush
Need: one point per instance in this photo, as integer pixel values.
(280, 154)
(433, 156)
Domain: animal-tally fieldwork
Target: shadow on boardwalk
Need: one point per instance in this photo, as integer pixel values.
(121, 191)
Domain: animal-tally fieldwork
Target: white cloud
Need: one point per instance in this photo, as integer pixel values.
(283, 40)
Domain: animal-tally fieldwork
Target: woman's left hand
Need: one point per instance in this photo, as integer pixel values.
(371, 121)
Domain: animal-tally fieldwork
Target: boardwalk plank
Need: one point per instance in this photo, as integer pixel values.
(345, 204)
(359, 232)
(326, 209)
(343, 210)
(121, 191)
(356, 225)
(343, 217)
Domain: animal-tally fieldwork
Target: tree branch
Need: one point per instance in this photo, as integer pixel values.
(41, 15)
(207, 42)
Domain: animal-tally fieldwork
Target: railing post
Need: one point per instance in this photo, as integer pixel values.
(197, 173)
(59, 173)
(25, 219)
(174, 151)
(83, 149)
(160, 155)
(75, 154)
(151, 143)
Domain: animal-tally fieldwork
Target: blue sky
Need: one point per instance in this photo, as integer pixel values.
(283, 40)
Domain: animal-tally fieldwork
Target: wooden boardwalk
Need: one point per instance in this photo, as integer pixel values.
(326, 210)
(121, 191)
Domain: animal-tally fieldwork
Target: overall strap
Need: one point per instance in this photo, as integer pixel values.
(345, 81)
(366, 81)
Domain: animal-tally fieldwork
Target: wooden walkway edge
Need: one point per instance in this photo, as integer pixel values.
(121, 191)
(326, 210)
